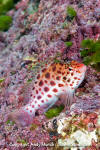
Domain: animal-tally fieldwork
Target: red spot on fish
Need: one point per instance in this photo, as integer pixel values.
(43, 70)
(64, 78)
(36, 91)
(78, 79)
(30, 111)
(58, 78)
(46, 81)
(42, 101)
(52, 83)
(38, 105)
(39, 89)
(63, 73)
(49, 95)
(42, 93)
(58, 71)
(72, 74)
(34, 96)
(68, 72)
(68, 80)
(54, 68)
(41, 83)
(38, 77)
(35, 102)
(55, 90)
(47, 75)
(39, 97)
(46, 89)
(60, 85)
(75, 78)
(32, 106)
(71, 84)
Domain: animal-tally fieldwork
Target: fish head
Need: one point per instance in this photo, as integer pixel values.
(75, 73)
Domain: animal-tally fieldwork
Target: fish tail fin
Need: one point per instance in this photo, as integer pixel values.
(21, 117)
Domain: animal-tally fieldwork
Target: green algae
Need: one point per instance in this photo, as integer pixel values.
(53, 112)
(57, 58)
(1, 80)
(6, 5)
(33, 127)
(91, 53)
(71, 13)
(29, 80)
(22, 142)
(65, 25)
(9, 122)
(5, 22)
(69, 44)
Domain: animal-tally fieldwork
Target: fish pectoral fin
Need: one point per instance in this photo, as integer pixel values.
(68, 98)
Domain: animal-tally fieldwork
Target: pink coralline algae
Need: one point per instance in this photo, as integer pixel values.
(23, 4)
(43, 33)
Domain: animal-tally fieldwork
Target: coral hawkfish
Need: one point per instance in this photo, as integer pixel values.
(54, 81)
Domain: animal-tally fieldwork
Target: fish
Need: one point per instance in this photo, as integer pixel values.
(54, 81)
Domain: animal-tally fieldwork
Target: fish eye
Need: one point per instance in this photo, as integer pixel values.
(70, 69)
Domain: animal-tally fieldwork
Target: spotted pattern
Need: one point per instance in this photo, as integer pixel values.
(37, 92)
(46, 89)
(47, 75)
(41, 83)
(58, 78)
(49, 95)
(38, 77)
(52, 83)
(54, 68)
(55, 90)
(39, 97)
(60, 85)
(64, 78)
(53, 79)
(43, 70)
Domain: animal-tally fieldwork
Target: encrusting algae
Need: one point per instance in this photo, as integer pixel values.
(56, 80)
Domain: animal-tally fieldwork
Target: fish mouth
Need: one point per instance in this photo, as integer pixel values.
(80, 66)
(83, 68)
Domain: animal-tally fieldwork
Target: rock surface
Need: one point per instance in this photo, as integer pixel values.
(41, 35)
